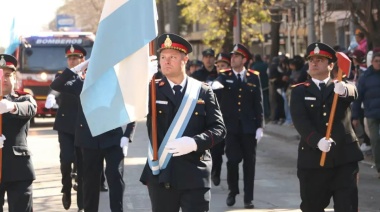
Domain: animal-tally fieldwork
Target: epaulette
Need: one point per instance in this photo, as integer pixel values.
(161, 83)
(254, 72)
(21, 93)
(224, 70)
(59, 72)
(307, 84)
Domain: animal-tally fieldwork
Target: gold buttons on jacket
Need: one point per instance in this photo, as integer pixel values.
(239, 96)
(324, 114)
(240, 89)
(239, 110)
(63, 114)
(196, 113)
(327, 124)
(311, 105)
(238, 103)
(81, 125)
(159, 111)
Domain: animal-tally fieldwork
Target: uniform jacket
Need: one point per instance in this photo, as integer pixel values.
(206, 126)
(17, 164)
(70, 83)
(310, 114)
(241, 104)
(67, 112)
(203, 74)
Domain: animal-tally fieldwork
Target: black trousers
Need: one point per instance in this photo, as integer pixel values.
(92, 169)
(171, 199)
(217, 153)
(319, 185)
(67, 159)
(241, 147)
(19, 194)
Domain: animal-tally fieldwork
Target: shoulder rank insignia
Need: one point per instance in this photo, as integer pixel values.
(307, 84)
(253, 72)
(251, 84)
(162, 83)
(201, 101)
(224, 70)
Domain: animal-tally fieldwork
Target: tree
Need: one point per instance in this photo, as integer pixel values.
(86, 12)
(218, 17)
(366, 16)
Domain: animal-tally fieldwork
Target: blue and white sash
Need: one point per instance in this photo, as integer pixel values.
(177, 127)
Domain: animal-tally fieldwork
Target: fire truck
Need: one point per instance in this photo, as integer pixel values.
(41, 56)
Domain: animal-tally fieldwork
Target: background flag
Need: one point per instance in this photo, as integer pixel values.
(14, 39)
(116, 85)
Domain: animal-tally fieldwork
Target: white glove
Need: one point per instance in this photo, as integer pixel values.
(2, 139)
(50, 101)
(340, 88)
(80, 67)
(124, 142)
(324, 144)
(259, 134)
(215, 85)
(6, 106)
(153, 65)
(181, 146)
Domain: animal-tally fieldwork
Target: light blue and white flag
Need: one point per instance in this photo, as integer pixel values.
(14, 40)
(116, 85)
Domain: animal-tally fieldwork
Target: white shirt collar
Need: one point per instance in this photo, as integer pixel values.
(320, 81)
(242, 73)
(182, 84)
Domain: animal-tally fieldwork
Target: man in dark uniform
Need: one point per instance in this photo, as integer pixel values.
(222, 63)
(208, 69)
(310, 108)
(70, 155)
(106, 146)
(17, 108)
(189, 123)
(242, 109)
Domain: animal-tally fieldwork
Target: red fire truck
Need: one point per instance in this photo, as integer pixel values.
(40, 57)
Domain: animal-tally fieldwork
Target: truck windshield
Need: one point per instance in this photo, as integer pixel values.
(45, 59)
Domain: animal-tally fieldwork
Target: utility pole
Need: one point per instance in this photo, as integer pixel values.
(237, 24)
(310, 22)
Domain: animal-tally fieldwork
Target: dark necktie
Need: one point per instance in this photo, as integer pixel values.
(177, 94)
(322, 86)
(238, 79)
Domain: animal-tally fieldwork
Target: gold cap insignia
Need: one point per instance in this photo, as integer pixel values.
(316, 49)
(168, 42)
(2, 61)
(236, 48)
(72, 49)
(220, 57)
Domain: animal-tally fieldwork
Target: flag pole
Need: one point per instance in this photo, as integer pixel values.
(154, 109)
(333, 107)
(1, 125)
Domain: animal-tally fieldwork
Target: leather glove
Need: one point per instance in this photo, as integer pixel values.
(6, 106)
(50, 101)
(2, 139)
(259, 134)
(181, 146)
(324, 144)
(153, 65)
(215, 85)
(80, 67)
(124, 142)
(340, 88)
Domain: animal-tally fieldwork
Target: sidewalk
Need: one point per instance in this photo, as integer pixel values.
(290, 134)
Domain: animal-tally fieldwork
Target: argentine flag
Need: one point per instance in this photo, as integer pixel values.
(116, 86)
(14, 39)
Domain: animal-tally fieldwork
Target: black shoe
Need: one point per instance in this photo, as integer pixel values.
(248, 205)
(230, 201)
(66, 200)
(103, 188)
(216, 180)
